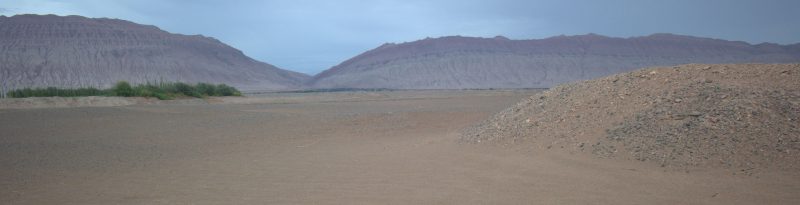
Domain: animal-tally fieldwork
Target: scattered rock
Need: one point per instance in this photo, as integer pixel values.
(745, 121)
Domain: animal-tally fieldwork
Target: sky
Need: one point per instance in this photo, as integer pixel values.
(311, 36)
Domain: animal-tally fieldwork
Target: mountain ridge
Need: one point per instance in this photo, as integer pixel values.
(76, 51)
(441, 61)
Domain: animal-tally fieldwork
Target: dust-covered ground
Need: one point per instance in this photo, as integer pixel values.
(328, 148)
(743, 117)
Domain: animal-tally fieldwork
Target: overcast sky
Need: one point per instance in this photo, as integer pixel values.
(311, 36)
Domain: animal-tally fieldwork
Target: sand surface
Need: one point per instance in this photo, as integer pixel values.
(346, 148)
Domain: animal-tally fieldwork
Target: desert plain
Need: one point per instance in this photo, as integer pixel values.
(387, 147)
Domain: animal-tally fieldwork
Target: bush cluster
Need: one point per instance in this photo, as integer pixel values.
(52, 91)
(163, 91)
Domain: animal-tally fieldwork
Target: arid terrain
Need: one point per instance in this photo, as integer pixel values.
(76, 51)
(399, 102)
(42, 51)
(399, 147)
(738, 116)
(456, 62)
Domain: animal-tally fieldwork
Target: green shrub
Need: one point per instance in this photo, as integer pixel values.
(162, 91)
(122, 88)
(52, 92)
(225, 90)
(207, 89)
(186, 89)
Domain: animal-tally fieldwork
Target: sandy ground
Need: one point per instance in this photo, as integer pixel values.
(374, 148)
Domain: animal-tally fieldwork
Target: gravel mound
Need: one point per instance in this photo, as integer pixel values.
(740, 116)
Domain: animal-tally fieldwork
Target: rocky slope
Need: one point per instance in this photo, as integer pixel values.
(74, 51)
(464, 62)
(731, 116)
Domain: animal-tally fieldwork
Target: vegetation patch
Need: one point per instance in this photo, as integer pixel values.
(163, 91)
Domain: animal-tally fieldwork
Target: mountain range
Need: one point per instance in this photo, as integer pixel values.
(75, 51)
(457, 62)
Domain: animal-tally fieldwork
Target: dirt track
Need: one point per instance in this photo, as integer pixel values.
(390, 149)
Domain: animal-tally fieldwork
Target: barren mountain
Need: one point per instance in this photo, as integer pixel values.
(729, 116)
(74, 51)
(466, 62)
